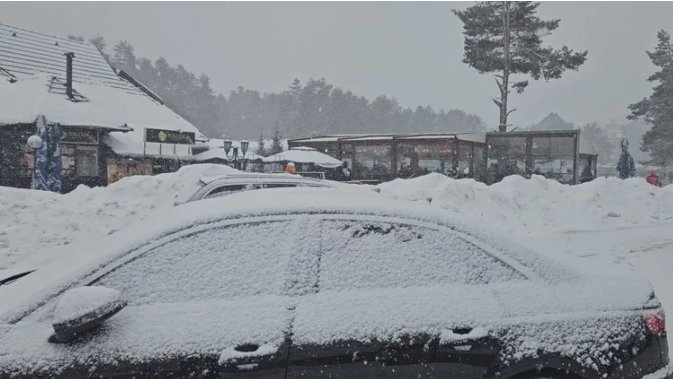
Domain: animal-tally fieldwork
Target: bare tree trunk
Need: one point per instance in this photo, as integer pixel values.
(504, 87)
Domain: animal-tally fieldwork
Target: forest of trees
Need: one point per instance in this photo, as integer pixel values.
(309, 108)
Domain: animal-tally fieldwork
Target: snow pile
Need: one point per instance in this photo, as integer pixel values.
(35, 222)
(532, 206)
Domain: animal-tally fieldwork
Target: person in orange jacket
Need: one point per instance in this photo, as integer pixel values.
(289, 168)
(653, 179)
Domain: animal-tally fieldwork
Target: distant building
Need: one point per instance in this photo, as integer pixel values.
(486, 157)
(112, 126)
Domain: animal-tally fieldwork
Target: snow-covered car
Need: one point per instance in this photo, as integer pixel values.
(320, 283)
(218, 186)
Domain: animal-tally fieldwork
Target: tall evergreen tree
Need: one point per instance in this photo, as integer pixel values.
(276, 143)
(506, 38)
(261, 148)
(99, 42)
(657, 110)
(625, 166)
(124, 57)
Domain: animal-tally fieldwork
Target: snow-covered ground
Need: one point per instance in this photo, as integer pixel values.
(608, 224)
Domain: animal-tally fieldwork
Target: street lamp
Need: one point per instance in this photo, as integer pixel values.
(35, 142)
(244, 147)
(227, 148)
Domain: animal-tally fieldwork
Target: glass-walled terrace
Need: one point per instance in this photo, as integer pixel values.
(486, 157)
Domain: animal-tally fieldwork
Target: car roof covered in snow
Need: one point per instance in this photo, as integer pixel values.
(26, 294)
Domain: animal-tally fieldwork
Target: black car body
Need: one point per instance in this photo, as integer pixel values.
(308, 283)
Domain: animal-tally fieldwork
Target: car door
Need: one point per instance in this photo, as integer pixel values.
(407, 297)
(209, 301)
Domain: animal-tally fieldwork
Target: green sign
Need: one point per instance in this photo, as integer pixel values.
(169, 136)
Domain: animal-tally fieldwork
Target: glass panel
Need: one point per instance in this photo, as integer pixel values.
(86, 160)
(465, 159)
(506, 156)
(434, 158)
(225, 190)
(361, 254)
(372, 161)
(217, 263)
(553, 157)
(478, 163)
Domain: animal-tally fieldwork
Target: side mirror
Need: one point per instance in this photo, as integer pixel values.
(82, 309)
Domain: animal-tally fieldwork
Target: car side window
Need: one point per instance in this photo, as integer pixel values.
(362, 254)
(217, 263)
(280, 185)
(226, 190)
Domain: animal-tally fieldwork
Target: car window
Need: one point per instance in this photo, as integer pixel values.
(240, 260)
(226, 190)
(360, 254)
(281, 185)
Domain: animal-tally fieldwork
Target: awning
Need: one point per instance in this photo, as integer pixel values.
(304, 154)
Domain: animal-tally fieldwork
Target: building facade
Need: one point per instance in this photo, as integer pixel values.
(104, 116)
(485, 157)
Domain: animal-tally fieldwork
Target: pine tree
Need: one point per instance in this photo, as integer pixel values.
(505, 37)
(99, 42)
(625, 166)
(261, 148)
(276, 143)
(124, 57)
(657, 110)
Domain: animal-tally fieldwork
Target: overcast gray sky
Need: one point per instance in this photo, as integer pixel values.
(411, 51)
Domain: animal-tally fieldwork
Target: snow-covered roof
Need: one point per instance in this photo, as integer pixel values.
(370, 138)
(218, 153)
(304, 155)
(37, 66)
(427, 136)
(472, 137)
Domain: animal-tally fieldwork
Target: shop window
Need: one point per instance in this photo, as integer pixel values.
(86, 160)
(553, 158)
(372, 161)
(465, 159)
(434, 158)
(506, 156)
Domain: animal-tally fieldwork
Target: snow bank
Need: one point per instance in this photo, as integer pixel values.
(35, 222)
(537, 205)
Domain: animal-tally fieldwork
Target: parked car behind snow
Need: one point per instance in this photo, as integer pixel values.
(320, 283)
(224, 185)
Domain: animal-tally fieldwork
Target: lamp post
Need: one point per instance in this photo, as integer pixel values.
(35, 142)
(244, 148)
(227, 148)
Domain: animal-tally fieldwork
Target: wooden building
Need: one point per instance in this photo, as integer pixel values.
(103, 114)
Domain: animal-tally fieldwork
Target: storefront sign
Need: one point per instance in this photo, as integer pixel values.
(169, 136)
(75, 135)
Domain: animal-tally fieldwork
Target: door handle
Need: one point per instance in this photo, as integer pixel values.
(460, 339)
(247, 347)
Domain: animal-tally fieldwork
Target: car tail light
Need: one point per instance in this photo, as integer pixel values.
(656, 323)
